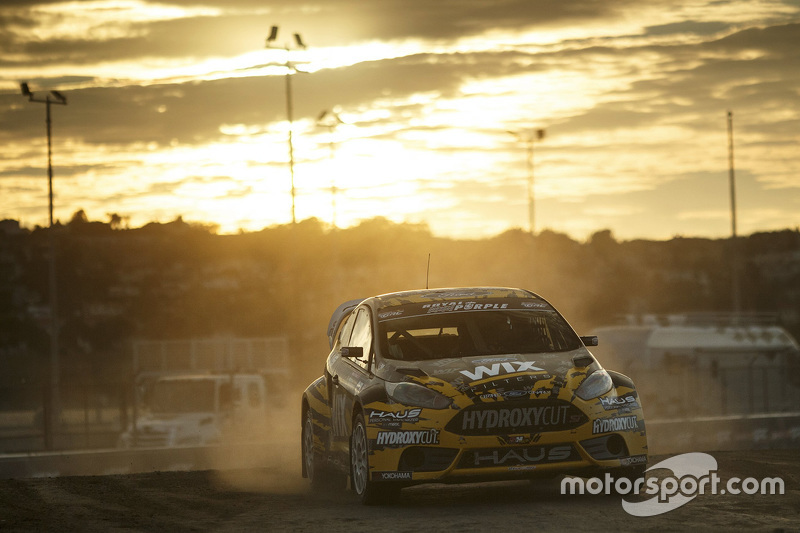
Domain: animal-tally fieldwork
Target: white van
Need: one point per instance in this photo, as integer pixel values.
(198, 410)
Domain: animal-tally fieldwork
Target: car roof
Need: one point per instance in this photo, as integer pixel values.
(450, 294)
(424, 296)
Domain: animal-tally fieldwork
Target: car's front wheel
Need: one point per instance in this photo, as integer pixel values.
(369, 493)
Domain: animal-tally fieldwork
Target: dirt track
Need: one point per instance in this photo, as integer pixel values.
(276, 499)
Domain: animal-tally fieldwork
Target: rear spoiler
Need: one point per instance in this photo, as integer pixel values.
(338, 316)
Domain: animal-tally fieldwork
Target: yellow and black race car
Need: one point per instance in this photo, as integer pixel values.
(465, 384)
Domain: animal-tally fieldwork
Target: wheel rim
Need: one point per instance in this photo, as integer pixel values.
(308, 447)
(358, 458)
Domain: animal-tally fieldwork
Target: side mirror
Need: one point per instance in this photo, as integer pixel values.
(355, 352)
(590, 340)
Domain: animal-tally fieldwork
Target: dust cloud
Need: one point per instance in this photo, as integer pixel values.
(261, 455)
(717, 399)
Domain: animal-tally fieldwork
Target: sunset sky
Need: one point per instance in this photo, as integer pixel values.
(179, 109)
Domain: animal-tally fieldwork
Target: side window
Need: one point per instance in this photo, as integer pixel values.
(346, 330)
(362, 335)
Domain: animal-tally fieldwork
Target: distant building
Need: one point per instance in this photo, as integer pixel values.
(10, 227)
(705, 364)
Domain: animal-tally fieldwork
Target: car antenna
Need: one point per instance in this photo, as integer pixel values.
(428, 272)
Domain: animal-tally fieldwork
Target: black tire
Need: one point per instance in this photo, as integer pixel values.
(368, 492)
(314, 468)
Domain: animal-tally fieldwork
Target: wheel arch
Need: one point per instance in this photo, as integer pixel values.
(303, 408)
(621, 380)
(358, 408)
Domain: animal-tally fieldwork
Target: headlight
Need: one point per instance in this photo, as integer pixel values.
(597, 384)
(417, 396)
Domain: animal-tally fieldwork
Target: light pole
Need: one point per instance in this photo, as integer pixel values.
(528, 137)
(331, 119)
(736, 297)
(291, 68)
(53, 415)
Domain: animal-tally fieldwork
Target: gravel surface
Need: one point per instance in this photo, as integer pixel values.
(277, 499)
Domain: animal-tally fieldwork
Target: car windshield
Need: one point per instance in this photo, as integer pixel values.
(182, 396)
(467, 334)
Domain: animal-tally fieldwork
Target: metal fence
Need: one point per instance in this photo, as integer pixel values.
(699, 392)
(265, 355)
(91, 415)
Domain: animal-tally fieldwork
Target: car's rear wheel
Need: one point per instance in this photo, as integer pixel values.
(315, 470)
(369, 493)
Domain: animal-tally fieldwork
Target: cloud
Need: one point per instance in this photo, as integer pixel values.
(96, 31)
(162, 102)
(707, 28)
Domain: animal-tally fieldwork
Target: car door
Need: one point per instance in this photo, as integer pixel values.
(349, 375)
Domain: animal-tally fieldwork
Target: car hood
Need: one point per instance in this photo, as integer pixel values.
(510, 375)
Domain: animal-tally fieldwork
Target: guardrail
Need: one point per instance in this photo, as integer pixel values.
(718, 433)
(132, 461)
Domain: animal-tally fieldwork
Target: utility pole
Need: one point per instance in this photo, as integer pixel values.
(331, 119)
(528, 138)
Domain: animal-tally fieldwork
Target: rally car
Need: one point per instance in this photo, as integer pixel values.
(464, 384)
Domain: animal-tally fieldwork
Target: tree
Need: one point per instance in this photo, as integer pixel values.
(78, 218)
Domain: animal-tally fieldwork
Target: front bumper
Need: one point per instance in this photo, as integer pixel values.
(455, 445)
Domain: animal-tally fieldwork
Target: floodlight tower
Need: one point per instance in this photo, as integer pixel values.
(57, 98)
(291, 68)
(54, 407)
